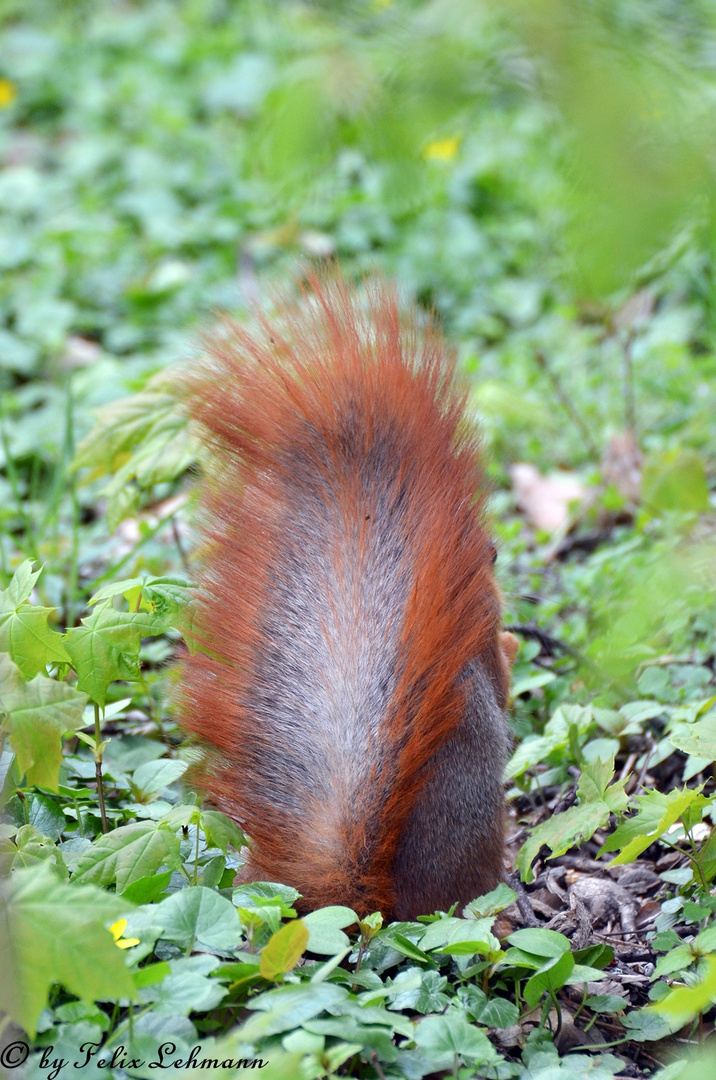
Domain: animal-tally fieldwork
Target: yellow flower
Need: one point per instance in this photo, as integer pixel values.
(116, 930)
(8, 93)
(442, 149)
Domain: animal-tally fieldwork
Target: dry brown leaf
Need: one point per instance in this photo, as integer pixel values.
(545, 500)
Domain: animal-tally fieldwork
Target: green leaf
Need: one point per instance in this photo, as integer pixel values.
(166, 597)
(39, 713)
(466, 937)
(493, 902)
(606, 1003)
(106, 647)
(556, 738)
(552, 976)
(125, 429)
(267, 894)
(151, 974)
(647, 1025)
(289, 1007)
(598, 800)
(401, 943)
(39, 810)
(498, 1012)
(128, 854)
(284, 949)
(678, 959)
(21, 584)
(140, 441)
(698, 739)
(201, 918)
(221, 832)
(24, 632)
(446, 1037)
(685, 1003)
(152, 777)
(656, 814)
(29, 848)
(55, 933)
(325, 928)
(187, 989)
(539, 942)
(147, 890)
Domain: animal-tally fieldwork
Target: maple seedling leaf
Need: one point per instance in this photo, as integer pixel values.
(24, 632)
(127, 854)
(51, 933)
(106, 647)
(656, 813)
(598, 799)
(38, 715)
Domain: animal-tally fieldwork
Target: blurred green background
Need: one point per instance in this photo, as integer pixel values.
(540, 174)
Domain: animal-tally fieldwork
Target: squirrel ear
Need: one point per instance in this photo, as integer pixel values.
(509, 646)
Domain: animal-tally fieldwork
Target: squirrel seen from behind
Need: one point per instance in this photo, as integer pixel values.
(352, 675)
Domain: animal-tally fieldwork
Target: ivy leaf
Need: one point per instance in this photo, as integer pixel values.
(127, 854)
(55, 933)
(39, 713)
(106, 647)
(598, 799)
(24, 632)
(656, 814)
(283, 950)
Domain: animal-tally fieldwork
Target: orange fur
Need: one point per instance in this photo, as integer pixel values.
(337, 433)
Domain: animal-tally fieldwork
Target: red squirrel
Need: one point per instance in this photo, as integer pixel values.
(352, 676)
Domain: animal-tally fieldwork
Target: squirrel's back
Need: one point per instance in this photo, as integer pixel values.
(351, 680)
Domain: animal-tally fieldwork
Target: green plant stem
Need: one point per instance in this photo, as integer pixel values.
(15, 487)
(98, 768)
(5, 574)
(113, 570)
(581, 1004)
(113, 1019)
(73, 574)
(152, 708)
(375, 1063)
(79, 815)
(558, 1009)
(567, 404)
(696, 863)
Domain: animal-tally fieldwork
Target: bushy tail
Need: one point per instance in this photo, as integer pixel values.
(346, 583)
